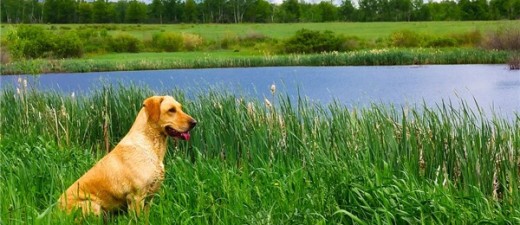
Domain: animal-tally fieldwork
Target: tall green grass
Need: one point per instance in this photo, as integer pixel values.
(228, 59)
(286, 162)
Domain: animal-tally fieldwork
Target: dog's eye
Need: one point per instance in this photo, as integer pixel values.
(173, 110)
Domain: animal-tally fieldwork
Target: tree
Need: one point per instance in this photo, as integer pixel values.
(84, 13)
(420, 11)
(59, 11)
(239, 9)
(135, 12)
(48, 11)
(156, 11)
(291, 11)
(401, 10)
(368, 10)
(100, 12)
(308, 13)
(259, 12)
(213, 11)
(10, 10)
(120, 11)
(172, 10)
(190, 12)
(328, 12)
(481, 9)
(474, 10)
(347, 11)
(445, 10)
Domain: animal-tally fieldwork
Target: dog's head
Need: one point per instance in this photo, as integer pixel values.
(166, 114)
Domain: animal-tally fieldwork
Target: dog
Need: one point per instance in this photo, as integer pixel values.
(128, 176)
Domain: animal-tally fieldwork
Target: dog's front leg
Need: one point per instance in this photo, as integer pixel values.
(135, 204)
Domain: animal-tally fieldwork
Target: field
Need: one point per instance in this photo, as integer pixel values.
(108, 47)
(371, 31)
(249, 162)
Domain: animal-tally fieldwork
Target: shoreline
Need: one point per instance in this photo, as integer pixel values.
(381, 57)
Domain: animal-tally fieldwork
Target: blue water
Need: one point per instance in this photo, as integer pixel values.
(492, 86)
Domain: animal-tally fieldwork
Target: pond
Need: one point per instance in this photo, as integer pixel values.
(492, 86)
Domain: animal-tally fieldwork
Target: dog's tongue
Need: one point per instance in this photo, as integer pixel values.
(185, 136)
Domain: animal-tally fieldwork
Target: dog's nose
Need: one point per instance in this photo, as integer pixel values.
(192, 123)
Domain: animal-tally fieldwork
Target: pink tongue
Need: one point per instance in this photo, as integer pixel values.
(185, 136)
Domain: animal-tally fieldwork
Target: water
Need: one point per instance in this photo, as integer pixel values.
(492, 86)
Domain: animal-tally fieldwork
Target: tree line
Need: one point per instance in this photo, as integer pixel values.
(252, 11)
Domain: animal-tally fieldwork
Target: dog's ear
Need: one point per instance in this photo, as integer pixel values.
(152, 107)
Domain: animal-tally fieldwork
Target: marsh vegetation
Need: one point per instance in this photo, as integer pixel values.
(277, 161)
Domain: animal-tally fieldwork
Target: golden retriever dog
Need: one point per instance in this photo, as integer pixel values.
(133, 171)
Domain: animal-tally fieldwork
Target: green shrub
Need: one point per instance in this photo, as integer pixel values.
(405, 38)
(191, 42)
(94, 40)
(352, 43)
(68, 44)
(124, 43)
(228, 40)
(441, 42)
(167, 41)
(30, 42)
(308, 41)
(471, 39)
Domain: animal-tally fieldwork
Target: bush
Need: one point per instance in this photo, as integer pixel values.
(472, 38)
(191, 42)
(30, 42)
(441, 42)
(68, 44)
(405, 38)
(308, 41)
(352, 43)
(27, 42)
(124, 43)
(167, 41)
(228, 40)
(503, 39)
(94, 40)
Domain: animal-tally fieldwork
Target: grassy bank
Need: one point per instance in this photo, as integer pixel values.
(180, 60)
(247, 162)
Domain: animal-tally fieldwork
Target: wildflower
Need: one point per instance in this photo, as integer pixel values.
(268, 103)
(217, 105)
(63, 111)
(273, 88)
(250, 108)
